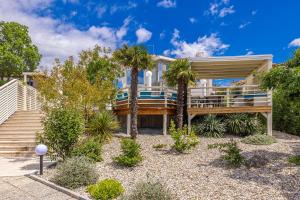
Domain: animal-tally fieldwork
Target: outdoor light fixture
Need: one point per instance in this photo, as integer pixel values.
(41, 150)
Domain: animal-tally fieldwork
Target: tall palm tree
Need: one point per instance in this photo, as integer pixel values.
(180, 74)
(136, 58)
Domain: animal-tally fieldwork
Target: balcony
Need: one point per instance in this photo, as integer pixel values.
(246, 98)
(154, 100)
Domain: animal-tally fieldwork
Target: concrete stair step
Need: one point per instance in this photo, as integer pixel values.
(13, 148)
(19, 138)
(17, 153)
(24, 128)
(25, 121)
(13, 143)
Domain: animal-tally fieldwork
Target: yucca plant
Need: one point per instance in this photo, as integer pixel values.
(241, 124)
(102, 125)
(211, 126)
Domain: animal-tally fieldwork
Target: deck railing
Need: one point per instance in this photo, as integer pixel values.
(16, 96)
(155, 96)
(232, 96)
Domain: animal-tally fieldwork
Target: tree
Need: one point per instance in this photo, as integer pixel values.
(71, 85)
(17, 53)
(285, 82)
(180, 74)
(137, 58)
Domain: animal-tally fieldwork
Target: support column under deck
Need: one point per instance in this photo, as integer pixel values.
(269, 123)
(128, 124)
(165, 124)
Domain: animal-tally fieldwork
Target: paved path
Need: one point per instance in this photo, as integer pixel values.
(24, 188)
(19, 166)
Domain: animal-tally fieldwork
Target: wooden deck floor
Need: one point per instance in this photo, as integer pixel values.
(223, 110)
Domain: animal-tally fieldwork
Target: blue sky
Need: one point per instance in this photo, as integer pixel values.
(176, 28)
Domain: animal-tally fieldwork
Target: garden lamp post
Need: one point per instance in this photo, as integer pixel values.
(41, 150)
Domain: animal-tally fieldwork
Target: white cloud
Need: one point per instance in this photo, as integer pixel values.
(162, 35)
(167, 4)
(193, 20)
(100, 10)
(226, 11)
(143, 35)
(219, 9)
(295, 43)
(124, 28)
(206, 45)
(54, 38)
(114, 8)
(254, 12)
(249, 53)
(243, 25)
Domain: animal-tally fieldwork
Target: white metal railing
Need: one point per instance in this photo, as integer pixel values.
(16, 96)
(8, 99)
(232, 96)
(154, 95)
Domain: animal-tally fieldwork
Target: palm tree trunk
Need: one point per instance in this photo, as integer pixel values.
(133, 102)
(185, 104)
(180, 102)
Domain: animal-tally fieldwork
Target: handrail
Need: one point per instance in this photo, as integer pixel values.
(15, 96)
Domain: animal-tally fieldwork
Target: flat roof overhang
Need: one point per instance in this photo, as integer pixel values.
(228, 66)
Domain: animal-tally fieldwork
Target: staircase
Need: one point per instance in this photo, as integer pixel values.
(18, 134)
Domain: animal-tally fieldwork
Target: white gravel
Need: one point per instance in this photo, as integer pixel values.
(200, 174)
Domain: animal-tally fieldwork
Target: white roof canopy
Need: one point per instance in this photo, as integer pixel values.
(229, 66)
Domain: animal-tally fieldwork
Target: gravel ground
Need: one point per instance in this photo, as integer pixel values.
(201, 175)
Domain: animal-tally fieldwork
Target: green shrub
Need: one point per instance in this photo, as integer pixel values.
(183, 139)
(62, 128)
(75, 172)
(211, 126)
(159, 146)
(131, 155)
(241, 124)
(231, 153)
(106, 189)
(294, 159)
(2, 82)
(259, 139)
(89, 148)
(102, 125)
(150, 191)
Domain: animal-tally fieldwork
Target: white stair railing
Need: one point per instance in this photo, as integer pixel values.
(16, 96)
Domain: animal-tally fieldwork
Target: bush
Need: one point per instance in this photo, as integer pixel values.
(89, 148)
(211, 126)
(241, 124)
(231, 153)
(75, 172)
(183, 139)
(106, 189)
(259, 139)
(294, 159)
(102, 125)
(2, 82)
(150, 191)
(131, 153)
(62, 129)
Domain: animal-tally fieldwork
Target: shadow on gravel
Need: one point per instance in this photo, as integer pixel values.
(278, 174)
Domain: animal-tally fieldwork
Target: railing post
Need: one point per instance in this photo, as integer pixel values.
(227, 97)
(24, 97)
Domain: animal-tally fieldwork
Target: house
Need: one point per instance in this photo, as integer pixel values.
(157, 101)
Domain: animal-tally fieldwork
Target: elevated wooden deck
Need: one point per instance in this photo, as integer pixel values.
(224, 110)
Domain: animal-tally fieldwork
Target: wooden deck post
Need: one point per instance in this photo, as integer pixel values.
(269, 123)
(128, 124)
(165, 124)
(189, 123)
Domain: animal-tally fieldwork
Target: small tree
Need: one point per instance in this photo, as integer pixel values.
(62, 128)
(137, 58)
(180, 74)
(17, 52)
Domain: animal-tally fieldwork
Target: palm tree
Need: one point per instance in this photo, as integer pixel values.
(180, 74)
(137, 58)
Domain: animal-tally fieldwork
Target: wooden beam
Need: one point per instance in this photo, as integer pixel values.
(147, 111)
(223, 110)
